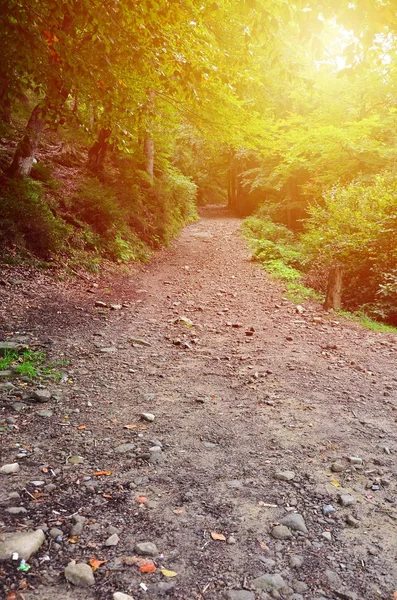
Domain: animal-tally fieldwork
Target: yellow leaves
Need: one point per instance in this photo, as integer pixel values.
(335, 483)
(219, 537)
(74, 539)
(168, 573)
(95, 563)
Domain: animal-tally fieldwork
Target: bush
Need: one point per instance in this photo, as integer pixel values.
(357, 227)
(26, 221)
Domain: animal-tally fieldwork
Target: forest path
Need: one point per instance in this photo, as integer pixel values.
(253, 403)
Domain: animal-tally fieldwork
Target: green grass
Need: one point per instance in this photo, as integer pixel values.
(367, 322)
(30, 363)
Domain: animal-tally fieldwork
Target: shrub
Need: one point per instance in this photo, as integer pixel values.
(26, 221)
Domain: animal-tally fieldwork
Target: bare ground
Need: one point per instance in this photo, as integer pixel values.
(249, 388)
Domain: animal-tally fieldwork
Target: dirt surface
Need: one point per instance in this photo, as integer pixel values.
(243, 386)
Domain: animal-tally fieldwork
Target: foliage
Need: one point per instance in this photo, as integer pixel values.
(28, 363)
(26, 220)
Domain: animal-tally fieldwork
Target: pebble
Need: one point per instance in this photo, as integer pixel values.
(328, 510)
(75, 460)
(38, 483)
(50, 487)
(148, 417)
(284, 475)
(239, 595)
(209, 445)
(296, 561)
(234, 484)
(281, 532)
(300, 586)
(10, 468)
(44, 413)
(111, 530)
(123, 448)
(24, 544)
(269, 582)
(355, 460)
(121, 596)
(337, 467)
(16, 510)
(296, 522)
(146, 548)
(113, 540)
(79, 574)
(346, 500)
(231, 540)
(333, 578)
(327, 535)
(350, 520)
(41, 395)
(55, 533)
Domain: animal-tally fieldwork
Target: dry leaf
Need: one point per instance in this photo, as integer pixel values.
(107, 496)
(168, 573)
(148, 568)
(134, 561)
(395, 596)
(100, 473)
(44, 470)
(132, 426)
(218, 536)
(95, 563)
(178, 511)
(74, 539)
(12, 596)
(80, 427)
(141, 500)
(335, 483)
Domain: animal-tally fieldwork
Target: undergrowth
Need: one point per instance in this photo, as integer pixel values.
(30, 363)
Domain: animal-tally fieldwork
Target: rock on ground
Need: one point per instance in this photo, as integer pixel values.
(25, 544)
(79, 574)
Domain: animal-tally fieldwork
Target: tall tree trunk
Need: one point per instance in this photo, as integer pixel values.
(148, 141)
(97, 152)
(148, 151)
(5, 102)
(23, 158)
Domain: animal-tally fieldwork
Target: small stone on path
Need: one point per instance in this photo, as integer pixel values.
(269, 582)
(113, 540)
(284, 475)
(337, 467)
(123, 448)
(44, 413)
(24, 544)
(346, 500)
(79, 574)
(41, 395)
(281, 532)
(10, 468)
(121, 596)
(146, 549)
(239, 595)
(16, 510)
(296, 522)
(148, 417)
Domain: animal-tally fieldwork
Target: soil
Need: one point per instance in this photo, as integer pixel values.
(243, 385)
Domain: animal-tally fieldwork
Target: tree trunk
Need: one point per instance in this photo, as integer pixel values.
(148, 141)
(5, 102)
(23, 158)
(333, 298)
(148, 151)
(97, 152)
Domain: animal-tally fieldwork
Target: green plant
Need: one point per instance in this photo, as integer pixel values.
(26, 220)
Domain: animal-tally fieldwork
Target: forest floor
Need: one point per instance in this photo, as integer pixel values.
(263, 412)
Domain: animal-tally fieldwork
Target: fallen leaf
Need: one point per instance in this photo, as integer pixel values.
(395, 596)
(95, 563)
(74, 539)
(148, 568)
(80, 427)
(218, 536)
(132, 426)
(178, 511)
(168, 573)
(100, 473)
(141, 500)
(12, 596)
(134, 561)
(335, 483)
(107, 496)
(44, 470)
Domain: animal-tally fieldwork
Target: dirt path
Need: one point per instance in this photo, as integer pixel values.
(253, 403)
